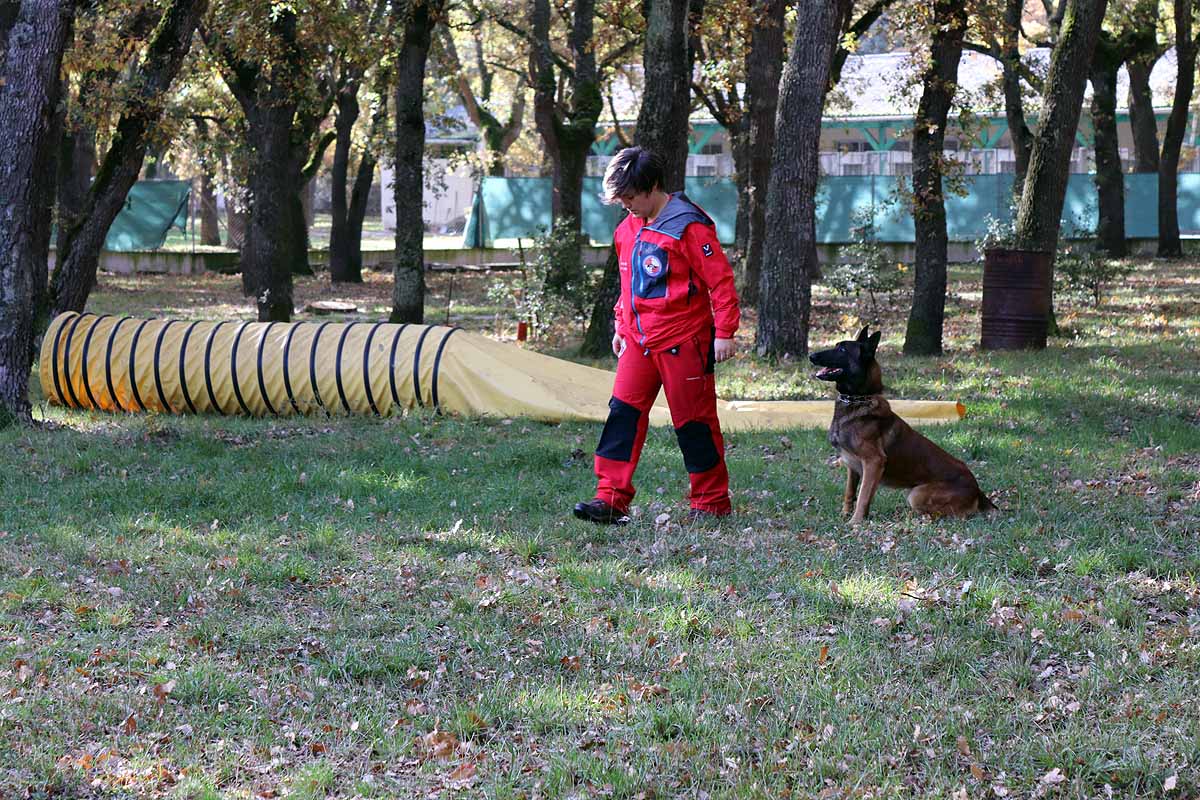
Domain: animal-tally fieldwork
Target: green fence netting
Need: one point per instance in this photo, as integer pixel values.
(151, 209)
(510, 208)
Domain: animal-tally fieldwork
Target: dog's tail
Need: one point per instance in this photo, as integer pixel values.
(986, 506)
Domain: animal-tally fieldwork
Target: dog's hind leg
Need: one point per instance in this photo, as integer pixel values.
(944, 500)
(852, 480)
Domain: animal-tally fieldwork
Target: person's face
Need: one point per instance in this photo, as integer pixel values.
(640, 204)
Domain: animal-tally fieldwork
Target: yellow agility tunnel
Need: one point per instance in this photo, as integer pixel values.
(278, 368)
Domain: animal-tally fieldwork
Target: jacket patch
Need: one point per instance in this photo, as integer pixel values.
(706, 248)
(651, 267)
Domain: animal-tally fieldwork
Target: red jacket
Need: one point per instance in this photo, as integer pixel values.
(680, 284)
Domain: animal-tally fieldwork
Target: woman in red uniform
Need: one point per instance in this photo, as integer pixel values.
(675, 319)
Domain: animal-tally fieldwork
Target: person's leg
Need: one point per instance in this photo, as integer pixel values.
(634, 391)
(688, 379)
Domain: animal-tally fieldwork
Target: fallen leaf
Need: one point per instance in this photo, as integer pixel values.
(463, 774)
(441, 744)
(963, 746)
(571, 663)
(977, 772)
(163, 690)
(1169, 783)
(1053, 777)
(646, 691)
(823, 656)
(129, 726)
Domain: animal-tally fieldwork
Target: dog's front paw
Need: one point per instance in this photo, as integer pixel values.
(856, 520)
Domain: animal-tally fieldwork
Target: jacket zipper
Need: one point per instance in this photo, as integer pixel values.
(637, 318)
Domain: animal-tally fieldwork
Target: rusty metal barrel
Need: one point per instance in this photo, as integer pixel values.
(1016, 299)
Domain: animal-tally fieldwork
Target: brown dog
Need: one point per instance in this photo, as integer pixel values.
(879, 447)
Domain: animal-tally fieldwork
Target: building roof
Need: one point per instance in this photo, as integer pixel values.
(874, 86)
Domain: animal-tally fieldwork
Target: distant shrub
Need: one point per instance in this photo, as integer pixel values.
(865, 267)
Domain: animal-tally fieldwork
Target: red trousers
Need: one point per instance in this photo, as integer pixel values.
(686, 373)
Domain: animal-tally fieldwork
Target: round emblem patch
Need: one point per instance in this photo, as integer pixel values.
(652, 266)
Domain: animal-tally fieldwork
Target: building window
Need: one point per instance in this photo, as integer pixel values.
(852, 169)
(706, 170)
(902, 146)
(902, 168)
(712, 148)
(850, 146)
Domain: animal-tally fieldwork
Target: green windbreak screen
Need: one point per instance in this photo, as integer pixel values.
(514, 208)
(151, 209)
(520, 207)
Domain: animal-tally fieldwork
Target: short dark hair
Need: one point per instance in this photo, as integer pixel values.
(632, 170)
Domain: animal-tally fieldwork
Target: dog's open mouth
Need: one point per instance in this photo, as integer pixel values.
(827, 373)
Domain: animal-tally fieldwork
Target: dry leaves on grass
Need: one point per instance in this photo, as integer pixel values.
(645, 692)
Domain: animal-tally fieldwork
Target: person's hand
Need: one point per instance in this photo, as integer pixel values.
(618, 344)
(724, 349)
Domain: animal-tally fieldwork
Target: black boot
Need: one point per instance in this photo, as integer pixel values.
(601, 513)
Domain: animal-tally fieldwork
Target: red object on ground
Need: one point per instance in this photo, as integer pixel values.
(522, 331)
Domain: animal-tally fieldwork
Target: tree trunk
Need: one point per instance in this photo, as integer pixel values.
(365, 177)
(9, 11)
(923, 335)
(358, 209)
(545, 98)
(77, 260)
(340, 245)
(662, 124)
(1169, 245)
(790, 249)
(275, 224)
(210, 224)
(76, 160)
(1141, 115)
(1040, 209)
(597, 340)
(1110, 177)
(739, 146)
(763, 67)
(29, 90)
(235, 223)
(570, 132)
(408, 289)
(1014, 106)
(48, 155)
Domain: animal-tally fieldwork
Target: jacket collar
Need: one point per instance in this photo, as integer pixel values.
(677, 214)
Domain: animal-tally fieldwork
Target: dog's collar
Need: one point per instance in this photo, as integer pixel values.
(855, 399)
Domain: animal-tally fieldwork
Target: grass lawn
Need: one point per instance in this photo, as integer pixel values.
(213, 607)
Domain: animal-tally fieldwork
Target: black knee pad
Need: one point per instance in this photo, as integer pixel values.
(699, 450)
(616, 442)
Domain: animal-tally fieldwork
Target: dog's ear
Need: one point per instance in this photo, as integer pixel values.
(872, 343)
(862, 335)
